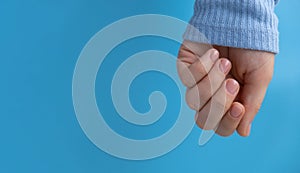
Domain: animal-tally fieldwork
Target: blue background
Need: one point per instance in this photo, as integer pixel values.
(40, 42)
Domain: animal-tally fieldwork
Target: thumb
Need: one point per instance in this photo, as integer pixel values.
(253, 93)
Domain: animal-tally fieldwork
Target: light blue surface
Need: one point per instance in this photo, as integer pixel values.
(40, 43)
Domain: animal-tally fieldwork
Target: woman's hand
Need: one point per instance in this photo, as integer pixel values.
(226, 86)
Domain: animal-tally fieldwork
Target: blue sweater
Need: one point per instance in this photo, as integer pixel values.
(249, 24)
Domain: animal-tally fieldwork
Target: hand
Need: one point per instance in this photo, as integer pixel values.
(254, 71)
(214, 95)
(209, 91)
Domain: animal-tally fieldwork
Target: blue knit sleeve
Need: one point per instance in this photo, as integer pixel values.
(249, 24)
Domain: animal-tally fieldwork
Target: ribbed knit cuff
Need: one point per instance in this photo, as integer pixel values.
(235, 23)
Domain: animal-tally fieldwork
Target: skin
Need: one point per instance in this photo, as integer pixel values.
(225, 86)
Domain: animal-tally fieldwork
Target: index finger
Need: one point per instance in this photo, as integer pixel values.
(193, 63)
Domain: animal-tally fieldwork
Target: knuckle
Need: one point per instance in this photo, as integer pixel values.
(224, 133)
(192, 98)
(219, 104)
(215, 80)
(205, 89)
(200, 124)
(208, 126)
(186, 54)
(187, 81)
(183, 72)
(200, 68)
(203, 124)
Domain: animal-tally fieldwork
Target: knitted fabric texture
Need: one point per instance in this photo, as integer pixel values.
(249, 24)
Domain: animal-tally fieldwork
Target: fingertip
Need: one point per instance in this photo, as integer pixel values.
(244, 129)
(242, 134)
(214, 54)
(237, 110)
(232, 86)
(230, 121)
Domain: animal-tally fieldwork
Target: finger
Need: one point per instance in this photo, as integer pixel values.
(224, 51)
(211, 114)
(252, 96)
(202, 66)
(231, 120)
(186, 55)
(198, 49)
(198, 96)
(190, 74)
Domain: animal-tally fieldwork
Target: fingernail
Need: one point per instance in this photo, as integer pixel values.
(249, 129)
(232, 86)
(236, 111)
(214, 55)
(225, 66)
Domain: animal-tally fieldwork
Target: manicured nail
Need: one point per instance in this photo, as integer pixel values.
(224, 66)
(232, 86)
(249, 129)
(214, 55)
(236, 111)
